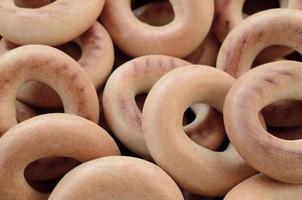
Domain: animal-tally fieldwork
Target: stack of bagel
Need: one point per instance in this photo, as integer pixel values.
(154, 100)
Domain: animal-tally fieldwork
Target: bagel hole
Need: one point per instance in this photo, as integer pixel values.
(190, 196)
(33, 3)
(189, 117)
(153, 12)
(286, 133)
(140, 100)
(207, 128)
(51, 164)
(72, 49)
(282, 119)
(295, 56)
(274, 53)
(253, 6)
(46, 99)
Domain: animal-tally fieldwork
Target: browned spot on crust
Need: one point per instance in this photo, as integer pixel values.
(231, 66)
(73, 77)
(147, 62)
(172, 63)
(81, 89)
(97, 46)
(64, 66)
(227, 24)
(269, 80)
(286, 73)
(160, 63)
(9, 45)
(259, 91)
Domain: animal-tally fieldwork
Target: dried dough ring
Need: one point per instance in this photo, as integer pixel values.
(263, 187)
(62, 25)
(52, 67)
(228, 14)
(82, 140)
(160, 13)
(23, 112)
(97, 60)
(274, 157)
(124, 117)
(193, 167)
(271, 27)
(162, 39)
(117, 177)
(277, 26)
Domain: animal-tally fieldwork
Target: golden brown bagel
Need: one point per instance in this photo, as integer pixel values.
(193, 167)
(53, 24)
(276, 26)
(261, 86)
(228, 14)
(44, 136)
(161, 13)
(271, 27)
(96, 59)
(52, 67)
(263, 187)
(192, 18)
(124, 117)
(117, 177)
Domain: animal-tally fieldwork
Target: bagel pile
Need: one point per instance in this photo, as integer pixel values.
(153, 100)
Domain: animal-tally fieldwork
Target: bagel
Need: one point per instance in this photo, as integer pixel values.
(53, 24)
(263, 187)
(228, 14)
(161, 13)
(261, 86)
(124, 117)
(97, 60)
(271, 27)
(114, 178)
(82, 140)
(193, 167)
(52, 67)
(192, 18)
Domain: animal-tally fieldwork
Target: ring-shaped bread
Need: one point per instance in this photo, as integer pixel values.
(53, 24)
(117, 177)
(195, 168)
(271, 27)
(275, 157)
(123, 115)
(96, 58)
(52, 67)
(192, 18)
(44, 136)
(263, 187)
